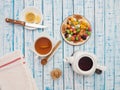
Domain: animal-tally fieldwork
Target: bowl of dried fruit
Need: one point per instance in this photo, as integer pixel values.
(76, 29)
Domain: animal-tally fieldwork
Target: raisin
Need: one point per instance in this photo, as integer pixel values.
(67, 22)
(66, 35)
(83, 37)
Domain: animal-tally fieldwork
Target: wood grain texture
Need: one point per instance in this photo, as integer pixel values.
(18, 30)
(109, 44)
(89, 82)
(1, 28)
(78, 79)
(48, 20)
(8, 29)
(29, 39)
(117, 45)
(38, 68)
(58, 57)
(104, 16)
(68, 49)
(99, 41)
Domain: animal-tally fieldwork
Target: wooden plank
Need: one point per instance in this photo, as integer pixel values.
(68, 49)
(112, 49)
(109, 44)
(1, 28)
(18, 30)
(58, 57)
(89, 45)
(99, 41)
(8, 31)
(78, 9)
(38, 69)
(48, 20)
(29, 39)
(117, 45)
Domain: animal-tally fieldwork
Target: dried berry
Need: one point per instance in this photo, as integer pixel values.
(83, 37)
(66, 35)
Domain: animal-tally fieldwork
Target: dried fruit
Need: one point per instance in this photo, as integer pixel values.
(78, 29)
(66, 35)
(72, 38)
(76, 38)
(83, 37)
(68, 31)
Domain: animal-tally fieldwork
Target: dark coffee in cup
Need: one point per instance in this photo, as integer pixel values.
(85, 63)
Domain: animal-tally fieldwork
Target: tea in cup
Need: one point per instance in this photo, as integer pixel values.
(43, 45)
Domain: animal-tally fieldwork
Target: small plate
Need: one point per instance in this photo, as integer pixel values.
(65, 22)
(30, 9)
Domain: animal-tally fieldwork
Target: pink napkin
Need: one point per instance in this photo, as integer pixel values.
(14, 73)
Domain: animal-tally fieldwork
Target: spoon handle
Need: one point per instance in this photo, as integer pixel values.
(54, 49)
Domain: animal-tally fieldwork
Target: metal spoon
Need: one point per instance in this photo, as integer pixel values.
(45, 60)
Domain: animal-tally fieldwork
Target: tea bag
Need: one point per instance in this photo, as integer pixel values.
(14, 73)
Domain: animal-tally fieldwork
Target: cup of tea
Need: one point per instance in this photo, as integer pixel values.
(85, 63)
(43, 45)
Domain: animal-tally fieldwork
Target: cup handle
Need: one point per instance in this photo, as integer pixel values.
(99, 69)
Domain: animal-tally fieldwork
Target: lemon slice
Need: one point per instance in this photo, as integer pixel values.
(30, 17)
(37, 19)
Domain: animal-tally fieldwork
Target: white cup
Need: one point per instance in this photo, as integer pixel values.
(42, 35)
(95, 67)
(76, 57)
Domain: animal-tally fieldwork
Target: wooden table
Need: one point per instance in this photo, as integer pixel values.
(104, 16)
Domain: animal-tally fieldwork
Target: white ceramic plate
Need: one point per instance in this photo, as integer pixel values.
(30, 9)
(71, 42)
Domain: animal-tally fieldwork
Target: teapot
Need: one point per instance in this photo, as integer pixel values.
(84, 63)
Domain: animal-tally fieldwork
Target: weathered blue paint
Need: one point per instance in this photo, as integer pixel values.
(78, 80)
(104, 16)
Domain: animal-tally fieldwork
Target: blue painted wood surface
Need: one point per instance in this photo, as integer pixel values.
(104, 16)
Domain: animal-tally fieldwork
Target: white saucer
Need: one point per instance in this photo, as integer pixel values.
(54, 41)
(30, 9)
